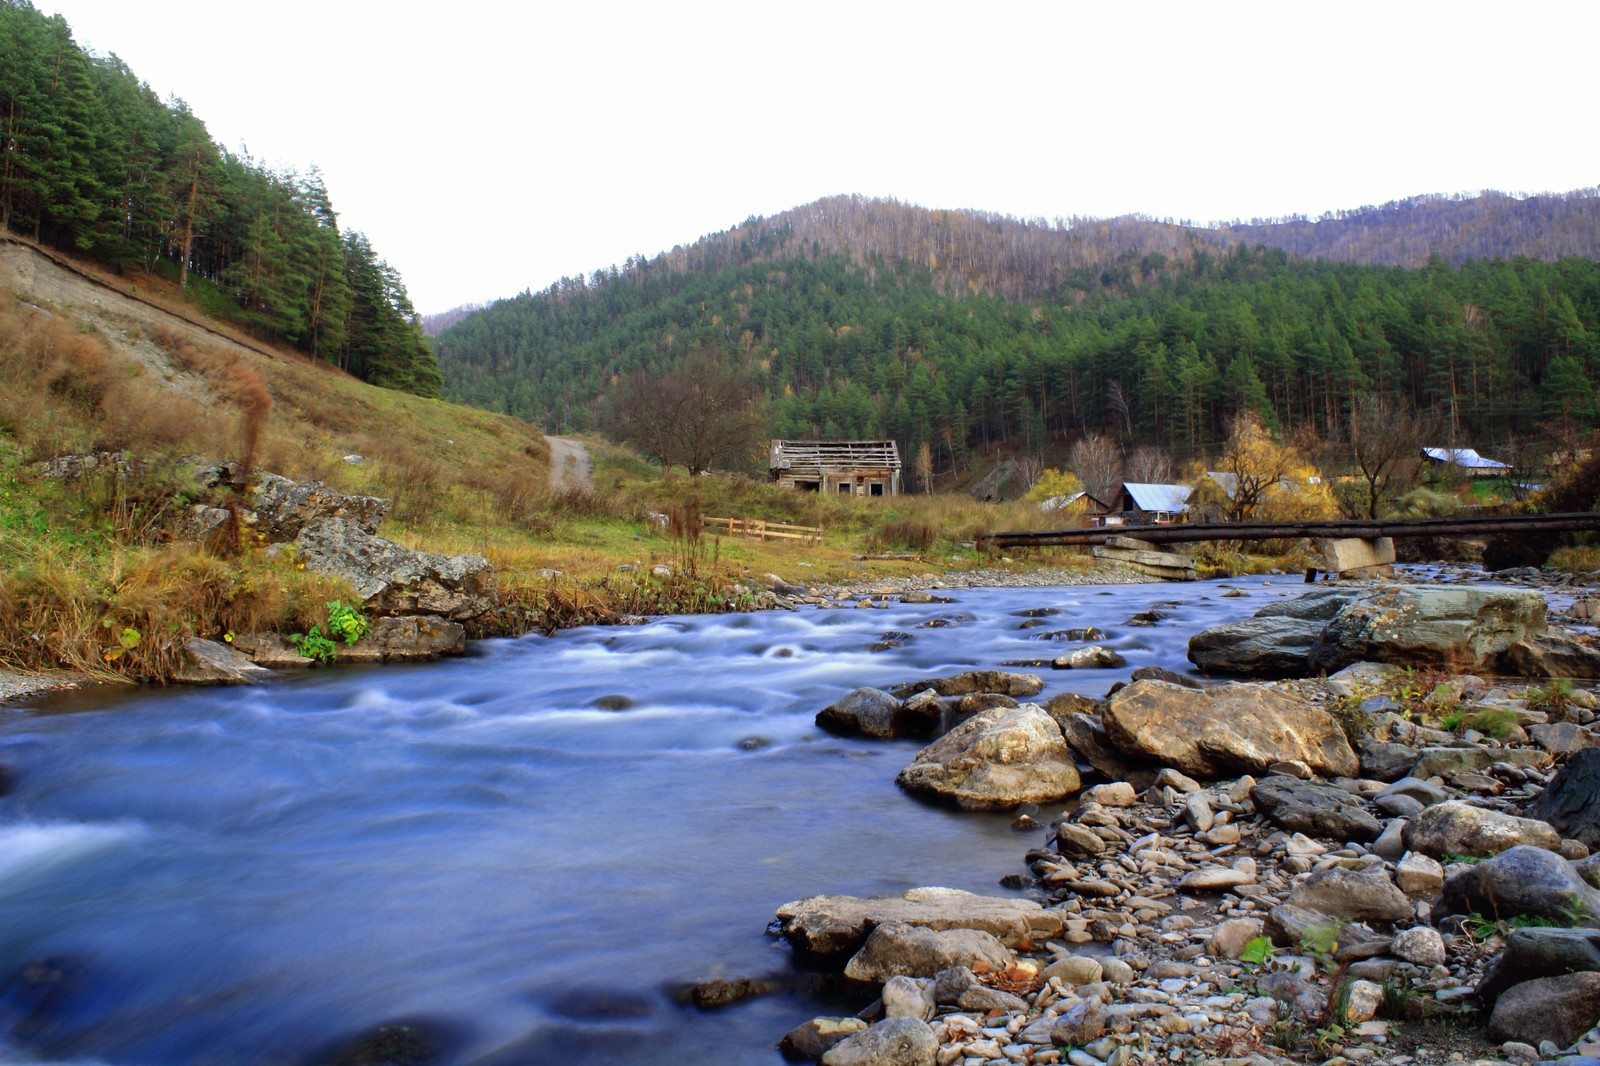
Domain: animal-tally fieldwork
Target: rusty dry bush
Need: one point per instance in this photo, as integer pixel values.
(905, 535)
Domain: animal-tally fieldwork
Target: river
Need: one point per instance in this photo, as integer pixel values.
(522, 853)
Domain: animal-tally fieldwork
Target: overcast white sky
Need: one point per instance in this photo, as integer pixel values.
(488, 147)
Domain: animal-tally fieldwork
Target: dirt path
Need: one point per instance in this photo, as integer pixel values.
(570, 465)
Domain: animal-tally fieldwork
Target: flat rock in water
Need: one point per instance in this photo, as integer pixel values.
(839, 925)
(1407, 625)
(996, 760)
(1315, 809)
(1571, 802)
(1521, 880)
(1457, 828)
(1235, 728)
(871, 712)
(205, 662)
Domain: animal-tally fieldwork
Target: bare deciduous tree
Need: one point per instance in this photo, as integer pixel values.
(1385, 440)
(1151, 465)
(696, 417)
(1098, 464)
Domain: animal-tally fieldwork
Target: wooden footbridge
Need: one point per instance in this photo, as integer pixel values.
(1349, 545)
(1358, 528)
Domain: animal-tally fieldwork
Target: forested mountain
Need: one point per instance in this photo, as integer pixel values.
(92, 162)
(856, 317)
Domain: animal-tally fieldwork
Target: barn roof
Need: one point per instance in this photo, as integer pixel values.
(1466, 458)
(1149, 497)
(835, 455)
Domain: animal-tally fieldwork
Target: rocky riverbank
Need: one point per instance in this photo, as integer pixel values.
(1388, 866)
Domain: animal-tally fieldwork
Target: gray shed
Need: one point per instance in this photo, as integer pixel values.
(849, 467)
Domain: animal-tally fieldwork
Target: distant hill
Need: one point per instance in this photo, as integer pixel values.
(865, 317)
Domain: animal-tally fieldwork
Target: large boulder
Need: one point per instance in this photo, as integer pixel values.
(205, 662)
(1557, 1009)
(1553, 655)
(1314, 808)
(892, 1042)
(995, 760)
(1000, 681)
(1354, 895)
(1225, 729)
(896, 949)
(406, 638)
(1540, 952)
(827, 926)
(1521, 880)
(283, 507)
(391, 579)
(1571, 802)
(871, 712)
(1408, 625)
(1457, 828)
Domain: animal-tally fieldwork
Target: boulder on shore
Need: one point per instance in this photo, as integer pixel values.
(896, 949)
(1326, 630)
(392, 579)
(1571, 802)
(205, 662)
(1522, 880)
(1457, 828)
(1236, 728)
(833, 926)
(996, 760)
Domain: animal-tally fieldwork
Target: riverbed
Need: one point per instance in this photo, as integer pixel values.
(522, 854)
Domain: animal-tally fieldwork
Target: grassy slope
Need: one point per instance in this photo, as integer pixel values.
(91, 362)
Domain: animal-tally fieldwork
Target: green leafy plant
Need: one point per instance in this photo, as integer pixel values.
(345, 622)
(313, 645)
(1257, 951)
(127, 640)
(1496, 722)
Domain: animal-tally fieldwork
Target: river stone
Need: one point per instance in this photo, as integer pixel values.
(1553, 655)
(1540, 952)
(714, 993)
(1419, 876)
(872, 712)
(1356, 895)
(1562, 738)
(1421, 944)
(1385, 761)
(1571, 802)
(839, 925)
(205, 662)
(1448, 761)
(1558, 1009)
(1094, 657)
(1233, 728)
(996, 760)
(1314, 808)
(406, 638)
(960, 987)
(283, 507)
(1086, 735)
(907, 997)
(892, 1042)
(1000, 681)
(1457, 828)
(1274, 642)
(896, 949)
(1408, 625)
(1230, 938)
(1519, 880)
(391, 579)
(812, 1039)
(270, 650)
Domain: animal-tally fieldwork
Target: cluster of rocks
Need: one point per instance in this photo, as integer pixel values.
(1245, 885)
(417, 601)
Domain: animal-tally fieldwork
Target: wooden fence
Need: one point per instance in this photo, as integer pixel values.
(762, 529)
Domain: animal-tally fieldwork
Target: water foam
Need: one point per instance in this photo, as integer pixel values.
(30, 848)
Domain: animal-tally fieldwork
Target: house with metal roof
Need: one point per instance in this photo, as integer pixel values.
(848, 467)
(1467, 460)
(1151, 503)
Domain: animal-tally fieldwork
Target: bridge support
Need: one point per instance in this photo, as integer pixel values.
(1147, 558)
(1356, 556)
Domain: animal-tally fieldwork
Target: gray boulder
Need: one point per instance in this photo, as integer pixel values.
(1558, 1009)
(896, 949)
(1315, 809)
(391, 579)
(283, 507)
(1520, 880)
(1236, 728)
(996, 760)
(1356, 895)
(871, 712)
(1086, 735)
(1449, 761)
(269, 650)
(892, 1042)
(960, 987)
(811, 1039)
(1571, 802)
(1540, 952)
(1457, 828)
(831, 926)
(205, 662)
(407, 638)
(1553, 655)
(1408, 625)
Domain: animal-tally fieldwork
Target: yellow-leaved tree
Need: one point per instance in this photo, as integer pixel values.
(1265, 479)
(1059, 485)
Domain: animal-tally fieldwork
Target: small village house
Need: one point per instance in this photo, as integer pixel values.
(1152, 504)
(1466, 461)
(846, 467)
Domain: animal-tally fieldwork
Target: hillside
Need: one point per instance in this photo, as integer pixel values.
(854, 317)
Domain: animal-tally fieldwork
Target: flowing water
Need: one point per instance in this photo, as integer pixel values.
(522, 853)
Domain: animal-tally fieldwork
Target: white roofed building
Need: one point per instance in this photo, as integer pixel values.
(1467, 460)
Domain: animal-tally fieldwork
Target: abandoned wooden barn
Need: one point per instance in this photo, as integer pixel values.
(850, 467)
